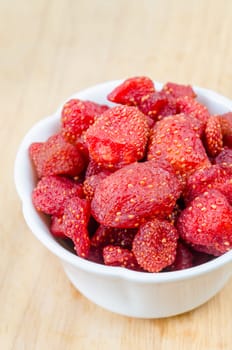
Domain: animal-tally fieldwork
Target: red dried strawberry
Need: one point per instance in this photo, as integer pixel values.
(34, 151)
(200, 258)
(57, 157)
(77, 116)
(207, 222)
(213, 136)
(191, 106)
(213, 177)
(155, 244)
(212, 251)
(179, 90)
(174, 140)
(117, 256)
(226, 128)
(57, 228)
(118, 137)
(133, 193)
(75, 220)
(51, 193)
(224, 158)
(82, 148)
(183, 259)
(93, 168)
(132, 90)
(150, 121)
(91, 182)
(170, 108)
(104, 236)
(95, 255)
(152, 104)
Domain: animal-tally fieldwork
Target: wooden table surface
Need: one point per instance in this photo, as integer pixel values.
(49, 50)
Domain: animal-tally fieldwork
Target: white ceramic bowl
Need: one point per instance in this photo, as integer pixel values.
(127, 292)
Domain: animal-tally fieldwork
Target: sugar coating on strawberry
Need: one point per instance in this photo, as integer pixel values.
(207, 221)
(213, 139)
(118, 137)
(122, 237)
(174, 140)
(224, 158)
(51, 193)
(58, 157)
(131, 194)
(57, 228)
(132, 91)
(213, 177)
(75, 220)
(155, 244)
(193, 107)
(184, 258)
(178, 90)
(225, 121)
(77, 116)
(117, 256)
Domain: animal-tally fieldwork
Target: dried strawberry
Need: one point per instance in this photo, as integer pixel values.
(152, 104)
(183, 259)
(132, 91)
(207, 222)
(179, 90)
(225, 121)
(195, 124)
(213, 177)
(213, 136)
(58, 157)
(174, 140)
(75, 220)
(193, 107)
(150, 121)
(82, 148)
(104, 236)
(77, 116)
(206, 250)
(118, 137)
(57, 228)
(224, 158)
(170, 107)
(93, 168)
(51, 193)
(95, 255)
(139, 190)
(200, 258)
(91, 182)
(155, 244)
(34, 151)
(117, 256)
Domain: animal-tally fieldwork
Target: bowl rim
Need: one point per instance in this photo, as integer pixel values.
(55, 247)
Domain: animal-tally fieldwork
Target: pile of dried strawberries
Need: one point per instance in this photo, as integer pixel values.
(145, 185)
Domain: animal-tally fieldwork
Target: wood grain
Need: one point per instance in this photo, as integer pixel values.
(49, 50)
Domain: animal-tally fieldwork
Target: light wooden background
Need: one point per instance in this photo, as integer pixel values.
(49, 50)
